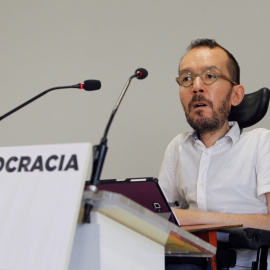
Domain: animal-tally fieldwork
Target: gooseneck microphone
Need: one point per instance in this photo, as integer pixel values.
(99, 151)
(88, 85)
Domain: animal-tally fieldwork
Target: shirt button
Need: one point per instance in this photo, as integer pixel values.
(207, 153)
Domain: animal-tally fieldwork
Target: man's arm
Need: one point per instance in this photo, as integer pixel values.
(193, 217)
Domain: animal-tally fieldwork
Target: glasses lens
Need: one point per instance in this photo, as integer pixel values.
(209, 76)
(186, 79)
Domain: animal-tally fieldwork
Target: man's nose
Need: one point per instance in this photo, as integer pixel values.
(198, 86)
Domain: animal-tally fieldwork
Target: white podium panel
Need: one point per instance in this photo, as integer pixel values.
(107, 245)
(40, 195)
(124, 235)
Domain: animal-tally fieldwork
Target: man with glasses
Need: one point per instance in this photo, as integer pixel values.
(217, 174)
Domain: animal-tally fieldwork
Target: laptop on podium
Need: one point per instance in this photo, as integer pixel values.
(145, 191)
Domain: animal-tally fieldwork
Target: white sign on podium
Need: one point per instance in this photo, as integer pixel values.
(40, 195)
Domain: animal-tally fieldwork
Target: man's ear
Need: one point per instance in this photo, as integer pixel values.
(238, 93)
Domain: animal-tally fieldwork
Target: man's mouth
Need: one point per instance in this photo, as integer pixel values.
(199, 102)
(197, 105)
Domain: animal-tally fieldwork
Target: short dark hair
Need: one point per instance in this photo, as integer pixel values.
(233, 66)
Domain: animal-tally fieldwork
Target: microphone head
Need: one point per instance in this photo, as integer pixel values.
(90, 85)
(141, 73)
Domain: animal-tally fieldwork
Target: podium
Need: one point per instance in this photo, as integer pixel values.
(41, 194)
(122, 234)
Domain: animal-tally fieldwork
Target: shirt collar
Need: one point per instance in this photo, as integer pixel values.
(233, 133)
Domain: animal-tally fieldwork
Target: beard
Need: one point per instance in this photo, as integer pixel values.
(213, 123)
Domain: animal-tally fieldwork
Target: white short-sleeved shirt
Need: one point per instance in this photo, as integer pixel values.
(230, 177)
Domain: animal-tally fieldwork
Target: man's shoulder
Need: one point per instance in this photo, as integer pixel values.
(259, 137)
(172, 150)
(257, 132)
(180, 139)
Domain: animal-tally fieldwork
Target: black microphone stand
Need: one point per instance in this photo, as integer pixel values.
(31, 100)
(88, 85)
(100, 150)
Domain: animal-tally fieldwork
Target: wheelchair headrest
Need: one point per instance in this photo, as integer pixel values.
(252, 108)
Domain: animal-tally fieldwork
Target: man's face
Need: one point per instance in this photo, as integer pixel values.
(206, 106)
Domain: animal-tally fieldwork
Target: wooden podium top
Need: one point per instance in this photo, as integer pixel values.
(210, 227)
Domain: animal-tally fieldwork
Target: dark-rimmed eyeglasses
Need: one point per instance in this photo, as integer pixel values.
(208, 76)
